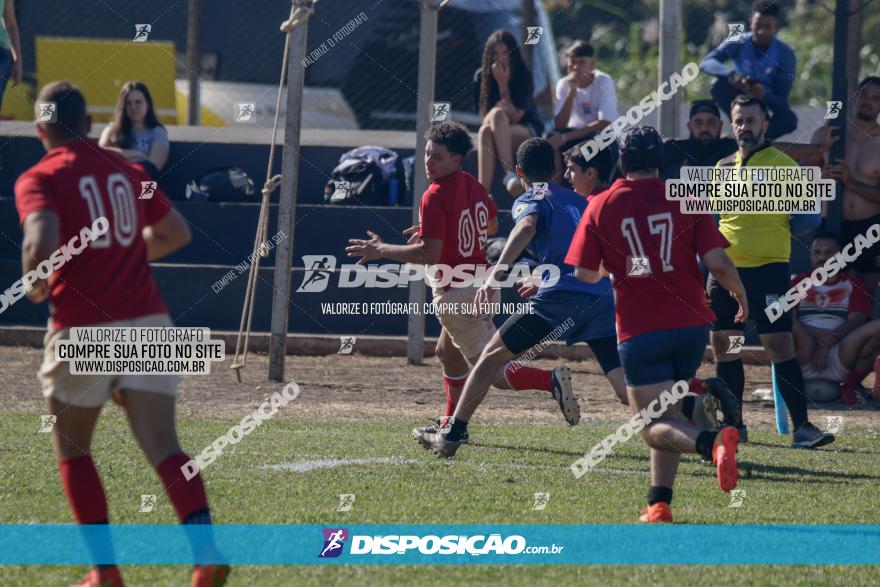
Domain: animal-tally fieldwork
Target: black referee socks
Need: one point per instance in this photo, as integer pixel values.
(790, 380)
(734, 376)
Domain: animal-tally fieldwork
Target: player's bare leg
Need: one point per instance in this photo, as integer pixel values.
(668, 435)
(455, 372)
(72, 440)
(618, 384)
(492, 369)
(804, 345)
(858, 350)
(151, 416)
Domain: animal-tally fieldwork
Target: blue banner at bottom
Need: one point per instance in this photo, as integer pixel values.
(67, 544)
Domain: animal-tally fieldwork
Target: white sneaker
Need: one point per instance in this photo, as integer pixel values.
(564, 396)
(513, 184)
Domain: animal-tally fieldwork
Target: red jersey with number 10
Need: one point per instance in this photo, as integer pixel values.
(456, 209)
(632, 220)
(111, 279)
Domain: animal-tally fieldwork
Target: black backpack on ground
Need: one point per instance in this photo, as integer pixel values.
(367, 176)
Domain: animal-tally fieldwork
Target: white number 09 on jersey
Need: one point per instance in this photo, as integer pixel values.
(473, 234)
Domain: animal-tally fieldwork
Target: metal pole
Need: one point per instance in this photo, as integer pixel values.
(839, 92)
(194, 59)
(668, 113)
(287, 196)
(415, 328)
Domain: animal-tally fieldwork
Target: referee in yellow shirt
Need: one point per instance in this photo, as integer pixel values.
(760, 247)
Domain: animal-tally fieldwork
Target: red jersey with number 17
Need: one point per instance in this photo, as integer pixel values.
(111, 279)
(456, 209)
(632, 221)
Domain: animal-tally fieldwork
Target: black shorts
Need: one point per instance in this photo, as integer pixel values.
(869, 260)
(764, 285)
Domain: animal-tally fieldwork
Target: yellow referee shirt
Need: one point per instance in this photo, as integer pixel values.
(757, 239)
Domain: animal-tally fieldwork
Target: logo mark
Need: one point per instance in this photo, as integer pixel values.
(637, 266)
(541, 501)
(318, 270)
(736, 498)
(48, 112)
(47, 423)
(834, 424)
(334, 540)
(341, 190)
(834, 107)
(736, 344)
(245, 112)
(346, 345)
(148, 502)
(735, 31)
(534, 35)
(148, 188)
(440, 111)
(346, 500)
(142, 32)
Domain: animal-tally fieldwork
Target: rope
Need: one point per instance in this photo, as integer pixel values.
(298, 15)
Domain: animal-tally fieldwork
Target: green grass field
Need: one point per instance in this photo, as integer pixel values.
(491, 481)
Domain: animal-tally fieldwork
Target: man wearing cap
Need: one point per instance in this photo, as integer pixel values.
(705, 146)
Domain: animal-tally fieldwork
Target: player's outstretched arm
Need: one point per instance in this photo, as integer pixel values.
(424, 251)
(166, 236)
(41, 236)
(519, 239)
(720, 265)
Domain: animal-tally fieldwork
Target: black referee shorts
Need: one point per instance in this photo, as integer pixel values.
(764, 285)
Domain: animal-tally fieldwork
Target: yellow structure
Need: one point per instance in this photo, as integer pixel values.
(101, 67)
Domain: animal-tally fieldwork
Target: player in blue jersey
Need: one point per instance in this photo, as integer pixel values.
(563, 307)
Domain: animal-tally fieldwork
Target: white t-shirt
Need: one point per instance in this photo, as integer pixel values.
(598, 101)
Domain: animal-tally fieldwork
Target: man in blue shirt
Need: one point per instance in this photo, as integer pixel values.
(763, 66)
(562, 306)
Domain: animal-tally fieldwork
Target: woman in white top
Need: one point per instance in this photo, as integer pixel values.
(135, 131)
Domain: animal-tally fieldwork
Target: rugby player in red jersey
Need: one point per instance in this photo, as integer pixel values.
(649, 247)
(456, 216)
(108, 283)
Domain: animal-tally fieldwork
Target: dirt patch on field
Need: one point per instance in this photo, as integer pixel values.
(360, 387)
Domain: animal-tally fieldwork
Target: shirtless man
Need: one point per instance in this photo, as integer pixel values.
(860, 174)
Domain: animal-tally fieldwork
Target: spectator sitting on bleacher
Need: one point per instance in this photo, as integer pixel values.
(834, 339)
(135, 131)
(763, 66)
(503, 92)
(586, 101)
(588, 178)
(705, 146)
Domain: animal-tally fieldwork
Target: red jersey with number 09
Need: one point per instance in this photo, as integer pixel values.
(632, 221)
(111, 279)
(456, 209)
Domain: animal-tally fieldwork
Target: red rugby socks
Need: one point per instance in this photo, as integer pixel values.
(522, 377)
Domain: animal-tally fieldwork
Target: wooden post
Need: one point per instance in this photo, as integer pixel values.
(290, 164)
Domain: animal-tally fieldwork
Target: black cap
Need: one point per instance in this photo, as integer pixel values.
(709, 106)
(640, 149)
